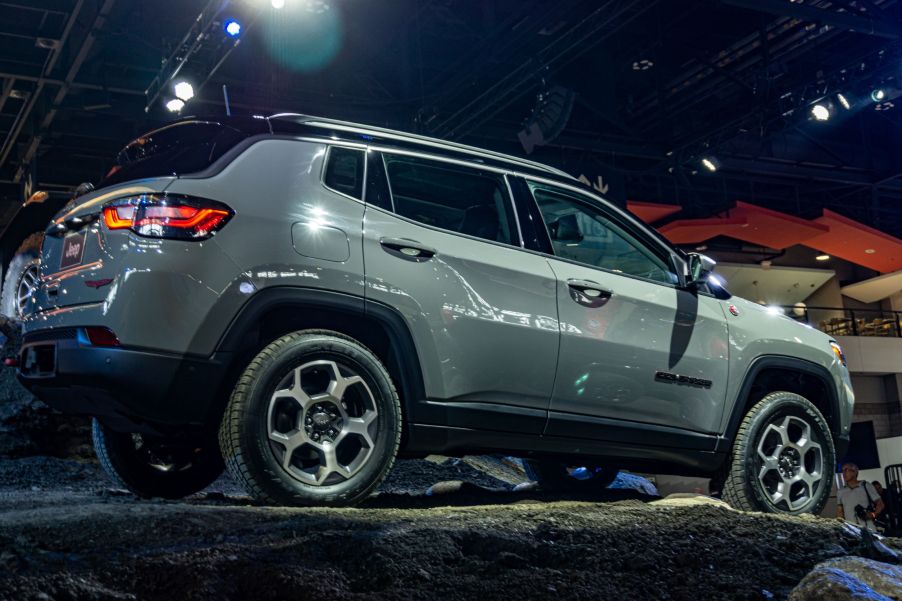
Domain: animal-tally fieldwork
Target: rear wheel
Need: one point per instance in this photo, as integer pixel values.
(150, 466)
(557, 475)
(782, 458)
(314, 420)
(21, 279)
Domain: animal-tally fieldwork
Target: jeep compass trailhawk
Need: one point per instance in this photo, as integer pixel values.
(302, 300)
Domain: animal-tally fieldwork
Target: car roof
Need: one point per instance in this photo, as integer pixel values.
(358, 132)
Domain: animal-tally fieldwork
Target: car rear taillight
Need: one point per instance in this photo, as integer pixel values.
(175, 217)
(100, 336)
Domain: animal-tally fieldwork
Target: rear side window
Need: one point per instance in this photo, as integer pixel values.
(344, 171)
(459, 199)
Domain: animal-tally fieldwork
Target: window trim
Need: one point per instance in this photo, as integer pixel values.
(322, 175)
(505, 188)
(638, 233)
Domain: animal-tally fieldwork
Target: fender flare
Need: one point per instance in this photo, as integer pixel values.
(402, 348)
(783, 362)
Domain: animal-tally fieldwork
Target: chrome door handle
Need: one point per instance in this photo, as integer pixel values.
(407, 249)
(588, 293)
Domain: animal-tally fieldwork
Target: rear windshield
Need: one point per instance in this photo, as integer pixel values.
(179, 149)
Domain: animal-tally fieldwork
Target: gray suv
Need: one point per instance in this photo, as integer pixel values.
(302, 300)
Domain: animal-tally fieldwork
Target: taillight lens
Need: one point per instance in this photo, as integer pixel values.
(167, 216)
(99, 336)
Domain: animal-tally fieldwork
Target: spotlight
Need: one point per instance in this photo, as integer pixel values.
(878, 95)
(184, 91)
(232, 28)
(175, 105)
(277, 4)
(710, 164)
(820, 112)
(843, 101)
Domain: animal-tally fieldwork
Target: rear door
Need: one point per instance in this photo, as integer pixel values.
(442, 246)
(636, 348)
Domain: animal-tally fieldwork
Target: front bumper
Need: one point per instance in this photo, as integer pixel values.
(129, 389)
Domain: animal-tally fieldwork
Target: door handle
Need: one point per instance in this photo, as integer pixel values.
(588, 293)
(410, 250)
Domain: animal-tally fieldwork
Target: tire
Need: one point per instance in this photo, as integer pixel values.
(151, 467)
(783, 440)
(22, 269)
(555, 476)
(313, 420)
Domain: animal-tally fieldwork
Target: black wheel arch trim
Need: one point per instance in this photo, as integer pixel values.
(401, 345)
(765, 362)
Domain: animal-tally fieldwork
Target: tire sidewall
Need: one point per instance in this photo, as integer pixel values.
(778, 407)
(122, 461)
(281, 486)
(16, 269)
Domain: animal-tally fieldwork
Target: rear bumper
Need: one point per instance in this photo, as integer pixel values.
(127, 388)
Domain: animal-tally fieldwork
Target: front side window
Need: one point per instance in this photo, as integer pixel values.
(582, 233)
(450, 197)
(344, 171)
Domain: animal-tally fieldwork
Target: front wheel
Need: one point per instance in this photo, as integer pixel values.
(313, 420)
(155, 467)
(782, 459)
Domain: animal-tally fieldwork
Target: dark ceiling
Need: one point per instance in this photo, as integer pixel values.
(658, 86)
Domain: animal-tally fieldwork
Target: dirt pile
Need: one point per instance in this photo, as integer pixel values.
(78, 540)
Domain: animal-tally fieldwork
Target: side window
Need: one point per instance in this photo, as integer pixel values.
(580, 232)
(344, 171)
(450, 197)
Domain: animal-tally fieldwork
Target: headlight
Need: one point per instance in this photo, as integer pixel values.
(837, 350)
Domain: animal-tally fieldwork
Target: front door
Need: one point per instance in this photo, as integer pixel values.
(636, 348)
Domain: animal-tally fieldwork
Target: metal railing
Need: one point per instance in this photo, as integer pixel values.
(838, 321)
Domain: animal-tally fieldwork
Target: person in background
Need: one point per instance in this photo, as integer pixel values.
(882, 520)
(857, 502)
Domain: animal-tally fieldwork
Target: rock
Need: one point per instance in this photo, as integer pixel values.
(685, 499)
(872, 548)
(848, 578)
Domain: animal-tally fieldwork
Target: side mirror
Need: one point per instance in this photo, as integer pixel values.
(700, 267)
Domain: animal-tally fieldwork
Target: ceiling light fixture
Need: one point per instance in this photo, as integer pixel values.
(822, 258)
(843, 101)
(869, 251)
(232, 28)
(878, 95)
(175, 105)
(184, 91)
(277, 4)
(710, 164)
(820, 112)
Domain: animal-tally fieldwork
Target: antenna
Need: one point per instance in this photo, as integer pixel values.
(225, 95)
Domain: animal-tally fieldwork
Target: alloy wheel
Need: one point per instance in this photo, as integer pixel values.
(321, 423)
(791, 463)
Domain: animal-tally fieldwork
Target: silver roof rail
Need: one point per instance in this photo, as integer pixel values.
(400, 135)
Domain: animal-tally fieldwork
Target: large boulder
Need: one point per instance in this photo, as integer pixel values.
(848, 578)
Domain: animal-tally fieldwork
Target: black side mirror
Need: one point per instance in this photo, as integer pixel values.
(565, 229)
(700, 267)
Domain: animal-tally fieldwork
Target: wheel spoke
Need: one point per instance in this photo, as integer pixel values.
(359, 426)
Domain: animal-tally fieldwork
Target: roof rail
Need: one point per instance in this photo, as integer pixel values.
(400, 135)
